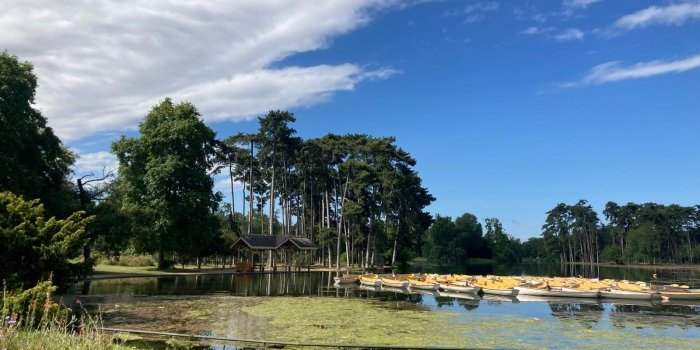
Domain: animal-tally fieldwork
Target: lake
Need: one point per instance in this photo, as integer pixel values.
(307, 307)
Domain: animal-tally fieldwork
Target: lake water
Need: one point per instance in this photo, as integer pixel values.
(306, 307)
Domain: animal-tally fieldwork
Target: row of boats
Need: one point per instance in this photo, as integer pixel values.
(512, 286)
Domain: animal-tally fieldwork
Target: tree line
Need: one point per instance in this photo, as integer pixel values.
(647, 233)
(357, 197)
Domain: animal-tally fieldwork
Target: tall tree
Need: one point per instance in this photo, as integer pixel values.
(33, 161)
(166, 174)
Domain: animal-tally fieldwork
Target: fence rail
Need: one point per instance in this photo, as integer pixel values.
(276, 344)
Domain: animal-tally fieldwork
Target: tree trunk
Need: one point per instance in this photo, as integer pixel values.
(272, 193)
(396, 239)
(250, 192)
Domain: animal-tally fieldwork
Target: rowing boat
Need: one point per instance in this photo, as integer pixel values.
(371, 280)
(502, 292)
(457, 288)
(612, 293)
(347, 279)
(392, 282)
(417, 284)
(557, 292)
(680, 295)
(496, 285)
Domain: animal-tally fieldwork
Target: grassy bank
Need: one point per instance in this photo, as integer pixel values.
(56, 340)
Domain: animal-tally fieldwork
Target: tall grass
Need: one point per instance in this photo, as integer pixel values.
(30, 319)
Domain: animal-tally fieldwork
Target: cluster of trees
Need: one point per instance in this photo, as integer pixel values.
(453, 242)
(357, 197)
(35, 165)
(648, 233)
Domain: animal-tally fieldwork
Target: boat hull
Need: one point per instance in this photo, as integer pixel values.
(681, 295)
(503, 292)
(395, 284)
(345, 280)
(370, 282)
(430, 287)
(563, 292)
(623, 294)
(459, 289)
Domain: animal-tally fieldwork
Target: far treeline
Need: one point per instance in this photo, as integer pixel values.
(357, 197)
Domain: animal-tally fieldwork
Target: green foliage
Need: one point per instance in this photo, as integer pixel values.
(32, 246)
(453, 242)
(166, 180)
(33, 161)
(33, 308)
(646, 233)
(504, 248)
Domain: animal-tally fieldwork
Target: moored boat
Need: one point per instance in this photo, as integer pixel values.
(346, 279)
(417, 284)
(450, 287)
(370, 280)
(680, 295)
(612, 293)
(512, 292)
(556, 292)
(393, 282)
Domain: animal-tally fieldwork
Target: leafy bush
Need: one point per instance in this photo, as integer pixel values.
(31, 246)
(32, 307)
(129, 260)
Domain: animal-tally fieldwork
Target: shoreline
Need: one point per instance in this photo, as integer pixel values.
(103, 272)
(643, 266)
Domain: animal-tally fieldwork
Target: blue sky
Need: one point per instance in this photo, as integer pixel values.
(509, 107)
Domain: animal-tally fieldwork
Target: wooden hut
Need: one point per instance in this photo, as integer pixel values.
(275, 246)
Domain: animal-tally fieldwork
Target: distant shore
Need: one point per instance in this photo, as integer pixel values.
(643, 266)
(115, 271)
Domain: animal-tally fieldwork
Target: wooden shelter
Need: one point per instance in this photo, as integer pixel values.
(283, 247)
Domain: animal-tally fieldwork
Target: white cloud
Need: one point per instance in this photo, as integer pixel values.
(536, 30)
(95, 163)
(476, 11)
(578, 4)
(570, 34)
(674, 14)
(102, 64)
(614, 71)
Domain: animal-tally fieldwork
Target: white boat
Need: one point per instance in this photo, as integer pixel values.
(557, 292)
(503, 292)
(460, 289)
(370, 281)
(463, 296)
(680, 295)
(394, 283)
(423, 285)
(347, 279)
(625, 294)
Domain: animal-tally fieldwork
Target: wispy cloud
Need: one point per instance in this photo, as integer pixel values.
(615, 71)
(95, 163)
(578, 4)
(534, 30)
(570, 34)
(476, 11)
(674, 14)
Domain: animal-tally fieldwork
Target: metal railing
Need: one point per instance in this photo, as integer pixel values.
(265, 344)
